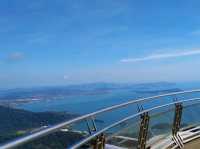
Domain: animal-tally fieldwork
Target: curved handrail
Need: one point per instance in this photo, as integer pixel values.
(59, 126)
(84, 141)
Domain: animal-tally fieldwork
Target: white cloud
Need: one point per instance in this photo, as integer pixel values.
(65, 77)
(15, 56)
(196, 32)
(162, 56)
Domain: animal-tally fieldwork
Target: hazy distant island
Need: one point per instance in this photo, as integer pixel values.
(12, 97)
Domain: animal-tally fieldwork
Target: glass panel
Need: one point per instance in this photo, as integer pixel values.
(190, 115)
(125, 134)
(160, 126)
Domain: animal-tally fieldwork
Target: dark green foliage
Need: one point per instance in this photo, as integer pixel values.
(15, 122)
(58, 140)
(14, 119)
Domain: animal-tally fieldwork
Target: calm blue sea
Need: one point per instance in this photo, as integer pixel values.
(90, 103)
(81, 104)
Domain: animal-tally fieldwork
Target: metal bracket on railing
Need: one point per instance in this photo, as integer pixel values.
(175, 98)
(140, 108)
(92, 128)
(177, 118)
(99, 142)
(144, 125)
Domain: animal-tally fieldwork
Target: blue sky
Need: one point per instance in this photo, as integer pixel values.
(48, 42)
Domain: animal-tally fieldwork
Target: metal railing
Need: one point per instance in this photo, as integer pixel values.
(59, 126)
(128, 118)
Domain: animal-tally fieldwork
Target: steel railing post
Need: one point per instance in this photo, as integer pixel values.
(177, 118)
(99, 142)
(144, 125)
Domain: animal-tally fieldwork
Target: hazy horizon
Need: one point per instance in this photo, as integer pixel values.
(178, 84)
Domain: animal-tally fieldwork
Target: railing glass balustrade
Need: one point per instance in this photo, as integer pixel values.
(121, 124)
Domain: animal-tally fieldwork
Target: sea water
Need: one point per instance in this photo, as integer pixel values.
(83, 104)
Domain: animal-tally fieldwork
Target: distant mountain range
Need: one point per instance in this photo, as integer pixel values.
(82, 89)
